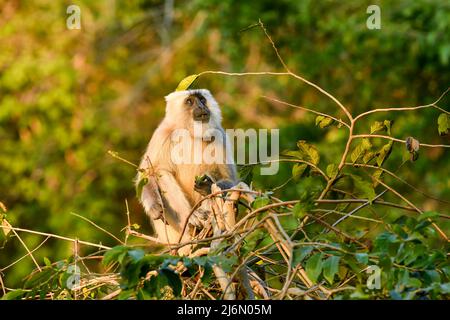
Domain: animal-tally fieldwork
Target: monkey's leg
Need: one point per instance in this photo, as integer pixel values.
(177, 207)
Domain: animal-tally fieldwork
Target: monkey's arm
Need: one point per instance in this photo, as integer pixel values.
(151, 199)
(177, 207)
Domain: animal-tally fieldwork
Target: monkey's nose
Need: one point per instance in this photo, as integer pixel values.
(202, 115)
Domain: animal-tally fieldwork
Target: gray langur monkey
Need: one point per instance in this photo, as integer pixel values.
(174, 186)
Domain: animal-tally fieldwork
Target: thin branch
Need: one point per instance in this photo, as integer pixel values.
(97, 226)
(399, 140)
(433, 105)
(58, 237)
(306, 109)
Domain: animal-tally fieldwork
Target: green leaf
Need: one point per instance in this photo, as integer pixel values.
(365, 188)
(300, 210)
(142, 182)
(443, 124)
(445, 288)
(414, 283)
(330, 268)
(298, 169)
(360, 150)
(114, 254)
(309, 152)
(172, 279)
(314, 267)
(300, 253)
(428, 214)
(136, 254)
(260, 202)
(293, 153)
(14, 295)
(377, 126)
(388, 124)
(369, 155)
(323, 121)
(186, 82)
(47, 262)
(332, 170)
(362, 258)
(384, 153)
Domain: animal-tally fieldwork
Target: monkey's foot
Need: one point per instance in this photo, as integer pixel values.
(199, 218)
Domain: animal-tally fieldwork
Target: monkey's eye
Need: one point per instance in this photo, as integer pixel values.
(189, 101)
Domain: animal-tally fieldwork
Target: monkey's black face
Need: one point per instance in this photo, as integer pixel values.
(200, 111)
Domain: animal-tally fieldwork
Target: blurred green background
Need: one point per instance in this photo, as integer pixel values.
(69, 96)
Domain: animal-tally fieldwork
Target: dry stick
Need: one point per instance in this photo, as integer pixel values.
(24, 245)
(306, 109)
(211, 195)
(112, 295)
(97, 226)
(2, 284)
(365, 204)
(398, 178)
(225, 282)
(292, 160)
(443, 235)
(301, 78)
(115, 154)
(433, 105)
(336, 230)
(59, 237)
(128, 222)
(327, 212)
(399, 140)
(24, 256)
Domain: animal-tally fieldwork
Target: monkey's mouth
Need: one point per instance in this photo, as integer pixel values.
(202, 118)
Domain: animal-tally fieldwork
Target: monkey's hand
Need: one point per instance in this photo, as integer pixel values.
(203, 184)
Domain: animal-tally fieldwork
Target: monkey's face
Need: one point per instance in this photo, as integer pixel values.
(191, 109)
(197, 105)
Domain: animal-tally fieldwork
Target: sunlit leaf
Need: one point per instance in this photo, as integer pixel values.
(332, 170)
(309, 152)
(377, 126)
(384, 153)
(298, 169)
(186, 82)
(360, 150)
(443, 124)
(141, 184)
(323, 121)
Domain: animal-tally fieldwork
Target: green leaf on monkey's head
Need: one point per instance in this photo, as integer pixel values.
(186, 82)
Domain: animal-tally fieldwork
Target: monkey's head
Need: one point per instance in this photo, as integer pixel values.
(190, 107)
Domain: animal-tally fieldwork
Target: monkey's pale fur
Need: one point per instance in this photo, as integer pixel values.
(169, 194)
